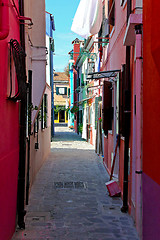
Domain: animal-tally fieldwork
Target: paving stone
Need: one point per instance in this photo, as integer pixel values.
(69, 199)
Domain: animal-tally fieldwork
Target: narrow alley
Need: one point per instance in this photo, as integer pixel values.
(69, 199)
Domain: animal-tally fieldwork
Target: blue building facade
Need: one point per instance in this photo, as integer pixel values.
(71, 115)
(50, 27)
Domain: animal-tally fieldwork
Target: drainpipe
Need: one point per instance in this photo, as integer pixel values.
(52, 83)
(29, 100)
(22, 153)
(127, 114)
(138, 31)
(4, 25)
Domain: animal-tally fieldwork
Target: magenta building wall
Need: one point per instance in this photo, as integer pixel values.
(151, 119)
(9, 140)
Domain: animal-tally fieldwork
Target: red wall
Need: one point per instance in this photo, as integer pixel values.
(9, 140)
(151, 121)
(151, 89)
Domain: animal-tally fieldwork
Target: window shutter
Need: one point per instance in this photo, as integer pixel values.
(42, 114)
(82, 79)
(107, 110)
(121, 2)
(57, 90)
(45, 109)
(65, 92)
(68, 92)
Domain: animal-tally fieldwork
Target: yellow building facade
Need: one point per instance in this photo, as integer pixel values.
(61, 91)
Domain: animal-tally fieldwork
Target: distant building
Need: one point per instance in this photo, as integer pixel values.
(50, 27)
(61, 92)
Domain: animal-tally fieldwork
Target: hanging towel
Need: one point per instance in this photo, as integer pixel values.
(88, 18)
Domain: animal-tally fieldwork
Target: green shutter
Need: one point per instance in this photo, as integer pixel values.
(57, 90)
(82, 79)
(78, 82)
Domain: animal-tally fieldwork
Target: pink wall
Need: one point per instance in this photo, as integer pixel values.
(9, 140)
(39, 156)
(108, 149)
(116, 55)
(116, 47)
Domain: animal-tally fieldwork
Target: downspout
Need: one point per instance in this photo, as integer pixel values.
(22, 154)
(138, 31)
(4, 25)
(52, 86)
(127, 114)
(29, 101)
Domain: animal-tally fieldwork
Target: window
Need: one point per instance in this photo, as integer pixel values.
(42, 114)
(44, 111)
(104, 31)
(61, 90)
(36, 125)
(122, 93)
(111, 16)
(97, 100)
(107, 110)
(122, 1)
(91, 67)
(52, 44)
(68, 92)
(82, 79)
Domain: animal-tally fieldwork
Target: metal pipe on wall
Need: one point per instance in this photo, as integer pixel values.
(22, 136)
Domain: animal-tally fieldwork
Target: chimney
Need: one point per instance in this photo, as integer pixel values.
(76, 49)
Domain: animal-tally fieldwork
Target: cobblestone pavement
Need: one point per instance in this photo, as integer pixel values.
(69, 199)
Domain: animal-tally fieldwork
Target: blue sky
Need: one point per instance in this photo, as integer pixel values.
(63, 12)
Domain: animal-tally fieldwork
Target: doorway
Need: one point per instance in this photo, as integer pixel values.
(62, 116)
